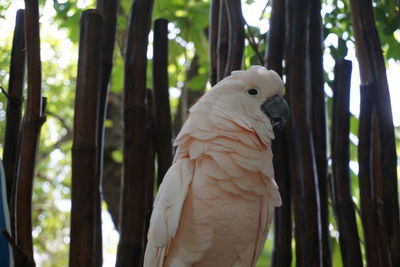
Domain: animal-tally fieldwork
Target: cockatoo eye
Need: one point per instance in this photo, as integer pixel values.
(252, 91)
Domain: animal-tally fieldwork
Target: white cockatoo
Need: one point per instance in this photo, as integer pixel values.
(216, 201)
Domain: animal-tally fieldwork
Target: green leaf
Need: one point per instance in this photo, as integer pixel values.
(117, 156)
(198, 82)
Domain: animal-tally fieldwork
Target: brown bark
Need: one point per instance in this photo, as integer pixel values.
(136, 131)
(163, 122)
(14, 106)
(29, 137)
(85, 195)
(276, 37)
(303, 171)
(113, 169)
(222, 41)
(318, 121)
(213, 40)
(374, 252)
(373, 72)
(108, 9)
(14, 116)
(149, 155)
(236, 36)
(282, 250)
(343, 202)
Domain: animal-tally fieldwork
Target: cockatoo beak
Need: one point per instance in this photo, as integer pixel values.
(277, 110)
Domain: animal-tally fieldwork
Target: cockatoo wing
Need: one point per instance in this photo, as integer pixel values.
(167, 211)
(271, 200)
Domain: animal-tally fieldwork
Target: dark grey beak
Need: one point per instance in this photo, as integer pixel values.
(277, 110)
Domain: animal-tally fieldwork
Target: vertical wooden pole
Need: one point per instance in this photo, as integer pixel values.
(14, 104)
(222, 41)
(150, 156)
(303, 170)
(29, 137)
(282, 250)
(161, 98)
(276, 37)
(107, 8)
(374, 253)
(213, 40)
(236, 36)
(373, 76)
(135, 166)
(318, 121)
(85, 216)
(343, 202)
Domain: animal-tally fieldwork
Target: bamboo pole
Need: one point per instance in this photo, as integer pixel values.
(276, 37)
(161, 98)
(303, 170)
(318, 121)
(374, 252)
(223, 41)
(149, 155)
(282, 249)
(14, 106)
(32, 123)
(135, 168)
(112, 172)
(343, 202)
(373, 73)
(109, 11)
(85, 216)
(213, 40)
(15, 99)
(236, 36)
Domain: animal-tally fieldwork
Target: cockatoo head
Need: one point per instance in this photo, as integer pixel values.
(252, 98)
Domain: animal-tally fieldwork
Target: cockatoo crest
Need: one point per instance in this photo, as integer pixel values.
(237, 98)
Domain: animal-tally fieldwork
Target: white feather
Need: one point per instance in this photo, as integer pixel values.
(167, 211)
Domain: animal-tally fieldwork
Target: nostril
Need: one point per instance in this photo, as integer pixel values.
(276, 121)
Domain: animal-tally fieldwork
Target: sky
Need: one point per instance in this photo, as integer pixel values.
(252, 14)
